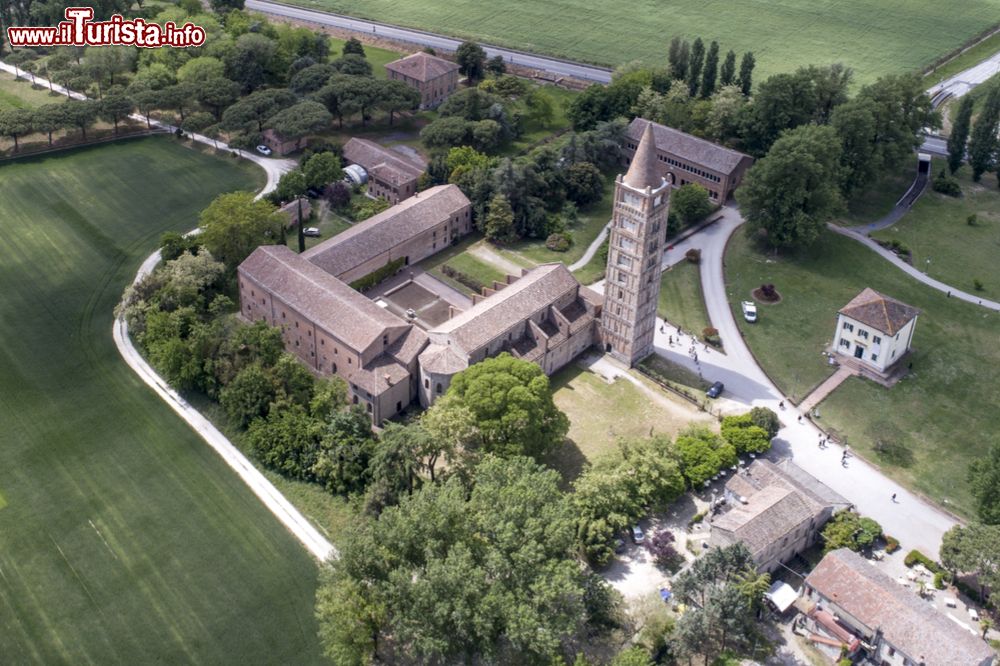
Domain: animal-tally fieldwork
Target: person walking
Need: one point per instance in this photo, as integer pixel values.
(800, 418)
(781, 405)
(670, 339)
(894, 498)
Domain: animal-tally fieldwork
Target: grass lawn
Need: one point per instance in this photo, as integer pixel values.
(935, 230)
(878, 201)
(378, 57)
(681, 301)
(588, 401)
(126, 538)
(19, 94)
(874, 38)
(973, 56)
(934, 420)
(460, 259)
(329, 223)
(593, 271)
(589, 223)
(536, 133)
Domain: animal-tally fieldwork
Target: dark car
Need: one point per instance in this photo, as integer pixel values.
(715, 390)
(314, 193)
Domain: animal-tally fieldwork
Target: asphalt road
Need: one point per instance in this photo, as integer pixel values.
(421, 38)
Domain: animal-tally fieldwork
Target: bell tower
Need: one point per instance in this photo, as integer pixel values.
(638, 232)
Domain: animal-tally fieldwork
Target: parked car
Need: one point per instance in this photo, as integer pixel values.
(715, 390)
(263, 150)
(310, 231)
(749, 311)
(314, 193)
(637, 534)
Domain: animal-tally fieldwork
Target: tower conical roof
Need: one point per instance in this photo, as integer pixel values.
(643, 172)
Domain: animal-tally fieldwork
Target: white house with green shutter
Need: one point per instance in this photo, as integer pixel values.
(875, 329)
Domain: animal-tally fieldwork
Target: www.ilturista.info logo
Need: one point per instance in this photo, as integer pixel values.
(79, 30)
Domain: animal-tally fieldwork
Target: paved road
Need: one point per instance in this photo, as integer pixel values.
(966, 80)
(421, 38)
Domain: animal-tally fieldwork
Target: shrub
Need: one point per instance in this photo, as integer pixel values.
(338, 194)
(915, 557)
(947, 185)
(711, 336)
(938, 580)
(850, 530)
(661, 547)
(972, 220)
(693, 255)
(697, 518)
(891, 544)
(769, 292)
(766, 419)
(745, 435)
(558, 242)
(978, 285)
(376, 276)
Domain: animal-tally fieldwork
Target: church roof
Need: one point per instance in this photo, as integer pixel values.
(880, 312)
(704, 153)
(644, 172)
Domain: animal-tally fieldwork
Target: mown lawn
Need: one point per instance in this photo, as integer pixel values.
(125, 538)
(19, 94)
(944, 245)
(681, 300)
(458, 257)
(589, 401)
(378, 57)
(874, 38)
(932, 423)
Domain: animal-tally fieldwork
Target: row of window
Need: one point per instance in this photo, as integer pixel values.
(862, 333)
(690, 169)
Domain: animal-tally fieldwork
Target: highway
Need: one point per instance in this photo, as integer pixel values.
(420, 38)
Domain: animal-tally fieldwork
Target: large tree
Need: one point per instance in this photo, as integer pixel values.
(984, 483)
(788, 196)
(973, 550)
(727, 73)
(115, 107)
(471, 59)
(322, 169)
(301, 119)
(959, 134)
(15, 123)
(710, 73)
(696, 63)
(452, 575)
(234, 225)
(512, 405)
(745, 79)
(256, 109)
(397, 96)
(983, 142)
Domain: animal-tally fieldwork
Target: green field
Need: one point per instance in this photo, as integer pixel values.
(933, 421)
(19, 94)
(872, 36)
(125, 538)
(945, 245)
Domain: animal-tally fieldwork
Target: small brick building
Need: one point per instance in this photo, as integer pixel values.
(684, 159)
(433, 77)
(390, 174)
(280, 145)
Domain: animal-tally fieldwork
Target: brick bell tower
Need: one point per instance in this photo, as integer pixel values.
(638, 232)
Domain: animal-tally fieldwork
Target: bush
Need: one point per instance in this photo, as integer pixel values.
(769, 292)
(978, 285)
(972, 220)
(558, 242)
(697, 518)
(462, 278)
(766, 419)
(376, 276)
(711, 336)
(338, 194)
(693, 255)
(891, 544)
(661, 547)
(938, 580)
(915, 557)
(745, 435)
(946, 185)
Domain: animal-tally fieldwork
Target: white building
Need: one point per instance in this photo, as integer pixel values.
(875, 329)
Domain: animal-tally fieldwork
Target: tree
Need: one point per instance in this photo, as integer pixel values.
(48, 118)
(396, 461)
(451, 574)
(397, 96)
(301, 119)
(744, 435)
(584, 183)
(198, 121)
(745, 80)
(696, 63)
(973, 550)
(959, 134)
(249, 395)
(766, 419)
(849, 530)
(588, 108)
(661, 547)
(710, 73)
(322, 169)
(353, 46)
(984, 484)
(690, 202)
(471, 59)
(179, 96)
(15, 123)
(723, 119)
(498, 226)
(512, 406)
(855, 123)
(225, 6)
(677, 58)
(203, 68)
(286, 441)
(249, 60)
(311, 78)
(115, 107)
(81, 114)
(352, 65)
(256, 109)
(788, 196)
(983, 141)
(234, 225)
(291, 186)
(702, 454)
(346, 449)
(496, 66)
(338, 194)
(217, 94)
(727, 73)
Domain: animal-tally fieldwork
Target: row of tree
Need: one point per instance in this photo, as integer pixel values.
(977, 141)
(701, 72)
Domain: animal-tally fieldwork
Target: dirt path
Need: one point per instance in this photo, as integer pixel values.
(489, 255)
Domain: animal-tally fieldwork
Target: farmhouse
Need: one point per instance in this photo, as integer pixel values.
(433, 77)
(390, 174)
(776, 510)
(850, 600)
(682, 159)
(406, 233)
(875, 330)
(281, 145)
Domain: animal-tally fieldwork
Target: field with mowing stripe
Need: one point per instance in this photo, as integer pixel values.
(872, 36)
(126, 540)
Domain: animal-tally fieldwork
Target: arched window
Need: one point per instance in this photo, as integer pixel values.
(439, 387)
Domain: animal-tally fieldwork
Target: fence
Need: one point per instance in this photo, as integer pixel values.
(82, 144)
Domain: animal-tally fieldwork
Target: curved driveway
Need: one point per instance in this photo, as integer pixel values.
(421, 38)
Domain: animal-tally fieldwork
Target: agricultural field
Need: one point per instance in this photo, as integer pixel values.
(873, 37)
(930, 424)
(126, 538)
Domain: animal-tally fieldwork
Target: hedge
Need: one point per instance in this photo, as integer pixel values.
(915, 557)
(463, 278)
(373, 278)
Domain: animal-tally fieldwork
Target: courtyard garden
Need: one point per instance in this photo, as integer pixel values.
(127, 540)
(925, 430)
